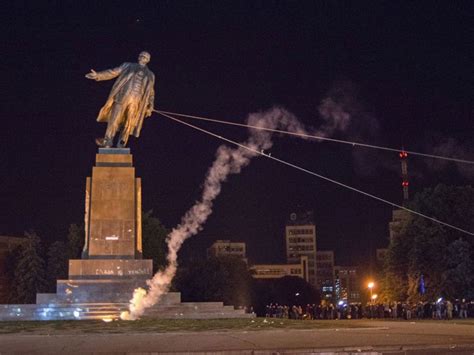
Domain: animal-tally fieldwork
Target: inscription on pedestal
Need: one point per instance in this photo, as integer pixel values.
(121, 268)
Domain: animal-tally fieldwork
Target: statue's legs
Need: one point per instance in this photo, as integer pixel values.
(113, 125)
(122, 116)
(130, 116)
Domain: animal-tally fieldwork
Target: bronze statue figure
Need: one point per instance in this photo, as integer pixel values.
(130, 100)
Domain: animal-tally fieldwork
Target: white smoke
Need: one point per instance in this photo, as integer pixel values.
(344, 113)
(337, 111)
(450, 147)
(335, 116)
(340, 108)
(228, 161)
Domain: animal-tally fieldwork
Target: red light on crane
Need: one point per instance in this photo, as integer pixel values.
(403, 154)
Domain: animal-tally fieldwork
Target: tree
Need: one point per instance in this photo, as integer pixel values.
(395, 283)
(430, 249)
(460, 265)
(154, 240)
(75, 241)
(11, 264)
(30, 271)
(287, 290)
(216, 279)
(451, 204)
(426, 257)
(57, 267)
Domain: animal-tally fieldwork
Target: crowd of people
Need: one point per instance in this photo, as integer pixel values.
(441, 309)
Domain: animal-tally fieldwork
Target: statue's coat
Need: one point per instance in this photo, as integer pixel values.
(125, 74)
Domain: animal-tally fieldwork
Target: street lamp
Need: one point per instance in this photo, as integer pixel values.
(371, 286)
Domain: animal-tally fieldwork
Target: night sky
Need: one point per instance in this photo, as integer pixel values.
(403, 69)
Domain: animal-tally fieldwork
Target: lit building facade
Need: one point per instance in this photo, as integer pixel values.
(275, 271)
(347, 284)
(300, 234)
(227, 248)
(325, 273)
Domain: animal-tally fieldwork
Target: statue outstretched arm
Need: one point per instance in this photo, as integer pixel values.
(106, 74)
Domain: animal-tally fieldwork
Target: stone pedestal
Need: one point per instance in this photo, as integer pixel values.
(111, 266)
(113, 208)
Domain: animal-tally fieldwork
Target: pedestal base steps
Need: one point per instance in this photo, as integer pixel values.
(49, 307)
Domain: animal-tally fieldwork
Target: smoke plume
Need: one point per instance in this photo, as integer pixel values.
(450, 147)
(343, 112)
(227, 161)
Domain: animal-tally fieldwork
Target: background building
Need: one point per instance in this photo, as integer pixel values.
(227, 248)
(325, 273)
(380, 255)
(400, 219)
(275, 271)
(347, 283)
(7, 244)
(301, 241)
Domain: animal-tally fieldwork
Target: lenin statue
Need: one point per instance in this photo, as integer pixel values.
(130, 100)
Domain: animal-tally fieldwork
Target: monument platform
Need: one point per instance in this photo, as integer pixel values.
(101, 284)
(169, 307)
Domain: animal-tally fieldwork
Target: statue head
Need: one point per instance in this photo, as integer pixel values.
(144, 58)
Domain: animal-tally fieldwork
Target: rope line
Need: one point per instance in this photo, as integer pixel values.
(316, 174)
(354, 144)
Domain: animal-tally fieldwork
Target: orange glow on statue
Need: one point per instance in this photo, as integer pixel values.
(130, 100)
